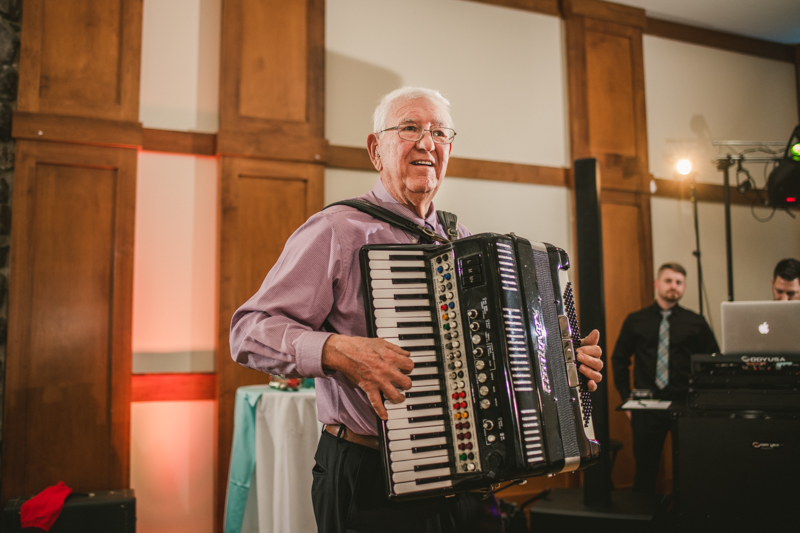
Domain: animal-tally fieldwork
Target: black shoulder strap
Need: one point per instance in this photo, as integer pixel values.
(450, 223)
(393, 219)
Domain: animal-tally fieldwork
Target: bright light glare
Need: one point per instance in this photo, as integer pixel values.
(684, 166)
(795, 151)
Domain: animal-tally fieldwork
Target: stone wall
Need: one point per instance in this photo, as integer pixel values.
(10, 11)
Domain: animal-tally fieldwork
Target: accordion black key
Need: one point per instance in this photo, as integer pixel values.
(496, 393)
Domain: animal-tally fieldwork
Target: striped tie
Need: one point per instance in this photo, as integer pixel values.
(662, 361)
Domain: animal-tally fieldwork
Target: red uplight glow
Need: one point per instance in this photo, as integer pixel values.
(791, 199)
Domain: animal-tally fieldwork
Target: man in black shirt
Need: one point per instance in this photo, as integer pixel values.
(661, 338)
(786, 280)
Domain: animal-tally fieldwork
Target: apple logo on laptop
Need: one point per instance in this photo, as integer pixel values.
(763, 328)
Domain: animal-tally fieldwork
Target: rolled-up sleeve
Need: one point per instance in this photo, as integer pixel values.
(277, 330)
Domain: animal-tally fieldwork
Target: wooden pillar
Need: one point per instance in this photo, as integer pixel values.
(607, 122)
(272, 148)
(67, 409)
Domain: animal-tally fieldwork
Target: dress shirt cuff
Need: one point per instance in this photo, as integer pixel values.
(309, 353)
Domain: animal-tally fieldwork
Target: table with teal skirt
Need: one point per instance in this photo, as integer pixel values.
(275, 436)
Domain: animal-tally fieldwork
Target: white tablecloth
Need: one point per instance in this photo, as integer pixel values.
(286, 437)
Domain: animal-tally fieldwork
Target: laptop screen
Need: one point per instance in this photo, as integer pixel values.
(760, 328)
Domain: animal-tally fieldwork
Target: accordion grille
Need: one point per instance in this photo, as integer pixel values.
(559, 372)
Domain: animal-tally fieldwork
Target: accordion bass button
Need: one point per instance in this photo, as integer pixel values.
(472, 313)
(477, 352)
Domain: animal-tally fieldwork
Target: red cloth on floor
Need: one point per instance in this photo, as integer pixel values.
(43, 509)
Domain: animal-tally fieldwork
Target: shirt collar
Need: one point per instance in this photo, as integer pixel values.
(658, 308)
(389, 202)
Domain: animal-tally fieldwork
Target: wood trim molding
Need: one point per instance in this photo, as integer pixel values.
(610, 12)
(76, 130)
(351, 158)
(721, 40)
(546, 7)
(512, 172)
(179, 142)
(173, 387)
(274, 146)
(605, 11)
(708, 192)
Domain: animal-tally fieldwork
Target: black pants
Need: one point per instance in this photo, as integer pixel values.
(349, 495)
(650, 430)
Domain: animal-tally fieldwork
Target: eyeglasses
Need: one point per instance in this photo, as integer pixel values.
(414, 132)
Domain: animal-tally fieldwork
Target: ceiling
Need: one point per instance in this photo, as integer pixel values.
(773, 20)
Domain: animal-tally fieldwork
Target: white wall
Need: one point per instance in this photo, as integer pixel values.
(172, 466)
(502, 70)
(175, 258)
(175, 261)
(180, 65)
(697, 94)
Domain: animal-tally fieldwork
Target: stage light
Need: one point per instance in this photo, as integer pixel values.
(684, 167)
(783, 184)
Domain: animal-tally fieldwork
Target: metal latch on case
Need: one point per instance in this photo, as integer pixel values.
(569, 350)
(572, 375)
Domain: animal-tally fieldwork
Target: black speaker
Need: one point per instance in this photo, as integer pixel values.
(734, 470)
(94, 512)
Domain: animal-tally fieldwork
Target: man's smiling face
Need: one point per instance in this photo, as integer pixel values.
(412, 172)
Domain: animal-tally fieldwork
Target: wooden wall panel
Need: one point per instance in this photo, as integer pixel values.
(81, 58)
(272, 82)
(67, 411)
(262, 94)
(263, 203)
(623, 281)
(605, 69)
(611, 112)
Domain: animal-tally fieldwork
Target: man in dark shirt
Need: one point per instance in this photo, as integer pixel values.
(786, 280)
(661, 337)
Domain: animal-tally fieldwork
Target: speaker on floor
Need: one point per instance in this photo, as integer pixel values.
(93, 512)
(737, 469)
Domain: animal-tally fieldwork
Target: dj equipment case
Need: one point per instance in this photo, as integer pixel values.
(94, 512)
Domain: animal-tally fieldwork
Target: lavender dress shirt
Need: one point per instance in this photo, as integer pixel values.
(318, 277)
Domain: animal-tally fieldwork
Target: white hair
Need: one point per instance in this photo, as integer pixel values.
(381, 114)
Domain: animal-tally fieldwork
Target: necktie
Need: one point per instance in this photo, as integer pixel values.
(662, 360)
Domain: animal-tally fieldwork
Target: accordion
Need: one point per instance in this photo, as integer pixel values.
(496, 393)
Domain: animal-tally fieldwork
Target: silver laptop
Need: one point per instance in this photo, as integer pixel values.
(760, 328)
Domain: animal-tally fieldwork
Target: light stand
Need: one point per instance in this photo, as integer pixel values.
(696, 252)
(724, 163)
(684, 168)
